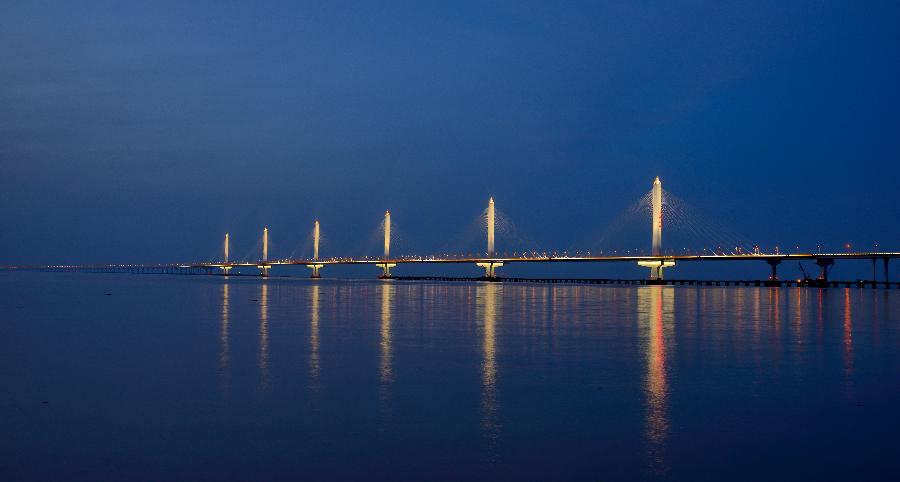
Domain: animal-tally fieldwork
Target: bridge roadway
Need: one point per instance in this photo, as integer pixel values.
(559, 259)
(822, 259)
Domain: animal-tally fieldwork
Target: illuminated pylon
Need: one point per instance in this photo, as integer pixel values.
(264, 266)
(656, 265)
(386, 267)
(226, 268)
(315, 266)
(490, 227)
(490, 267)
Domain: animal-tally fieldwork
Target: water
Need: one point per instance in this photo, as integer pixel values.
(203, 378)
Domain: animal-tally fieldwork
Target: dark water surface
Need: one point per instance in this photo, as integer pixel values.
(206, 378)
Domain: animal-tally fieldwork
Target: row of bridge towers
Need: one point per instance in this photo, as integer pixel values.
(490, 265)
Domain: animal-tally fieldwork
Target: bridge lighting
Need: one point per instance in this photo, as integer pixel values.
(387, 234)
(490, 227)
(265, 256)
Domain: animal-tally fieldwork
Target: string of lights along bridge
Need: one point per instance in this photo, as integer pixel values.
(657, 262)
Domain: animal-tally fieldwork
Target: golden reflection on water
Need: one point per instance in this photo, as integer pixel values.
(655, 305)
(387, 298)
(314, 333)
(224, 352)
(487, 309)
(263, 361)
(386, 362)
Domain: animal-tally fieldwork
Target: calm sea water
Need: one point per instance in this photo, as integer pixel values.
(151, 377)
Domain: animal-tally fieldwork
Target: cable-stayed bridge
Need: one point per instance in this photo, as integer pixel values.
(657, 261)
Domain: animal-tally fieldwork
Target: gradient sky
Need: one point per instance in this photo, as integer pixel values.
(141, 132)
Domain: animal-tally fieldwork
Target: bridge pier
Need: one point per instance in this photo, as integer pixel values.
(490, 269)
(656, 267)
(386, 270)
(264, 270)
(315, 269)
(887, 278)
(773, 278)
(824, 264)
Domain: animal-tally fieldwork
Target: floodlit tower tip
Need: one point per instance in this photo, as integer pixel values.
(226, 247)
(315, 266)
(490, 227)
(316, 240)
(657, 180)
(265, 244)
(387, 234)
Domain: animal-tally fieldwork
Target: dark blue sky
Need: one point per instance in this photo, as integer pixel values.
(143, 131)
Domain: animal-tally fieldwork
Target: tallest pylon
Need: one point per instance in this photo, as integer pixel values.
(656, 200)
(656, 263)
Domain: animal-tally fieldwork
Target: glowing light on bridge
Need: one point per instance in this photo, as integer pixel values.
(315, 266)
(316, 241)
(656, 266)
(387, 235)
(265, 244)
(490, 227)
(490, 267)
(657, 217)
(264, 266)
(386, 267)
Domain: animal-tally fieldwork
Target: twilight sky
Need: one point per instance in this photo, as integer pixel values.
(143, 131)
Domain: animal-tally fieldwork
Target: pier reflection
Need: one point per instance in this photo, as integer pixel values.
(314, 335)
(224, 350)
(488, 309)
(386, 371)
(655, 304)
(263, 360)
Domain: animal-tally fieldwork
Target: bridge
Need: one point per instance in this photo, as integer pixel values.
(656, 262)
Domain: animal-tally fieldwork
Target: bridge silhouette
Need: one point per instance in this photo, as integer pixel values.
(490, 261)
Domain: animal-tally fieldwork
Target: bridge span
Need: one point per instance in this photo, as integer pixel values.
(824, 260)
(657, 261)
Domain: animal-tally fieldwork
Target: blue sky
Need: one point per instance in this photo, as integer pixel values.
(142, 131)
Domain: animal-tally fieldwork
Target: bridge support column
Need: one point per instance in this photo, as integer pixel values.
(490, 269)
(887, 278)
(656, 267)
(315, 268)
(773, 278)
(264, 270)
(386, 270)
(824, 264)
(225, 269)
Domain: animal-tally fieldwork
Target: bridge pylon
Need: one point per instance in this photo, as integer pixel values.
(490, 268)
(385, 266)
(314, 265)
(226, 268)
(265, 266)
(656, 265)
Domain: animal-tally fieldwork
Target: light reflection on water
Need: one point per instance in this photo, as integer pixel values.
(656, 303)
(263, 361)
(223, 340)
(487, 303)
(385, 369)
(400, 380)
(314, 336)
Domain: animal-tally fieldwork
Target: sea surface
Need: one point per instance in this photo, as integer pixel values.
(166, 377)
